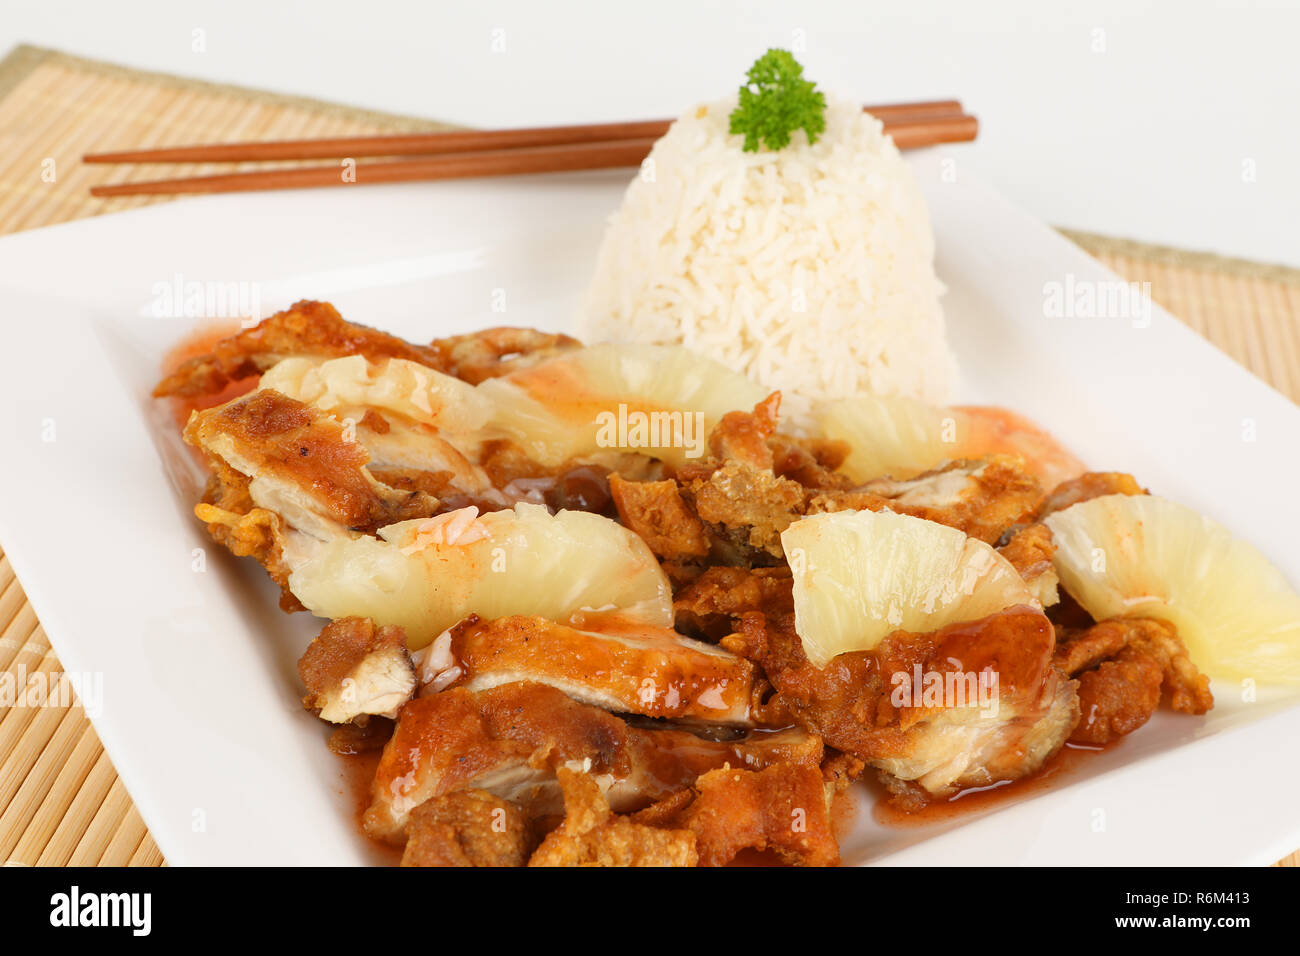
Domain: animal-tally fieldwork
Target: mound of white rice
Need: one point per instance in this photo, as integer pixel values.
(810, 269)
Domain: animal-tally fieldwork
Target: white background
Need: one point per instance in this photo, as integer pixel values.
(1174, 122)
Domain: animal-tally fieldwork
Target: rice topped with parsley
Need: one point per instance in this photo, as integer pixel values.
(809, 268)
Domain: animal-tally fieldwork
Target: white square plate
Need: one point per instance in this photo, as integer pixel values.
(199, 707)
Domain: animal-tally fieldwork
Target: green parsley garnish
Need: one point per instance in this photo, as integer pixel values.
(775, 101)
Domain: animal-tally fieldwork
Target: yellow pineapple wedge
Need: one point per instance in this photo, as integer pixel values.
(428, 574)
(1144, 555)
(898, 437)
(658, 400)
(861, 575)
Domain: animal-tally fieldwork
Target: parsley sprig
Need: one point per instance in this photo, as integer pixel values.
(775, 101)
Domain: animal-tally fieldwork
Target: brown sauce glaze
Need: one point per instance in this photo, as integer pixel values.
(199, 342)
(974, 801)
(358, 771)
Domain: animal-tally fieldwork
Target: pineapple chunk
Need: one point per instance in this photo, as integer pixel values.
(346, 387)
(898, 437)
(658, 400)
(1149, 557)
(427, 574)
(861, 575)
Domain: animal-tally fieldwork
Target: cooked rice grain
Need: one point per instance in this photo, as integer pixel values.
(809, 269)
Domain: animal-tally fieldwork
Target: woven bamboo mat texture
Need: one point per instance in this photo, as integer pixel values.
(60, 800)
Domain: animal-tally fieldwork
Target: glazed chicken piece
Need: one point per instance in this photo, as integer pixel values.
(1125, 668)
(301, 465)
(870, 703)
(981, 497)
(861, 704)
(620, 666)
(468, 828)
(306, 328)
(784, 808)
(1094, 484)
(354, 669)
(592, 835)
(509, 740)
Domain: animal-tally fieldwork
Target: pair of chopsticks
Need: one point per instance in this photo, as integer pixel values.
(473, 153)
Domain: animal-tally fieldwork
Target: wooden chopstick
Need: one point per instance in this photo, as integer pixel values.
(467, 141)
(566, 157)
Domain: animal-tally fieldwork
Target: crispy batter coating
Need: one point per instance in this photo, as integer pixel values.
(813, 462)
(354, 669)
(721, 595)
(783, 808)
(1126, 667)
(468, 828)
(753, 503)
(981, 497)
(1094, 484)
(1030, 552)
(306, 456)
(743, 436)
(306, 328)
(591, 835)
(655, 510)
(1117, 698)
(257, 533)
(491, 353)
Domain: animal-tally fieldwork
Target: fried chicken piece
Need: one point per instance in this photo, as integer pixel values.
(245, 530)
(354, 669)
(435, 484)
(743, 436)
(982, 497)
(1078, 652)
(1126, 667)
(1030, 552)
(306, 328)
(841, 769)
(749, 505)
(257, 534)
(508, 740)
(468, 828)
(721, 595)
(869, 704)
(655, 511)
(783, 808)
(1117, 698)
(812, 462)
(301, 465)
(1184, 688)
(591, 835)
(1091, 485)
(736, 492)
(622, 667)
(491, 353)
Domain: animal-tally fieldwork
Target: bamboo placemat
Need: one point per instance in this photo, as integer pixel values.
(60, 800)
